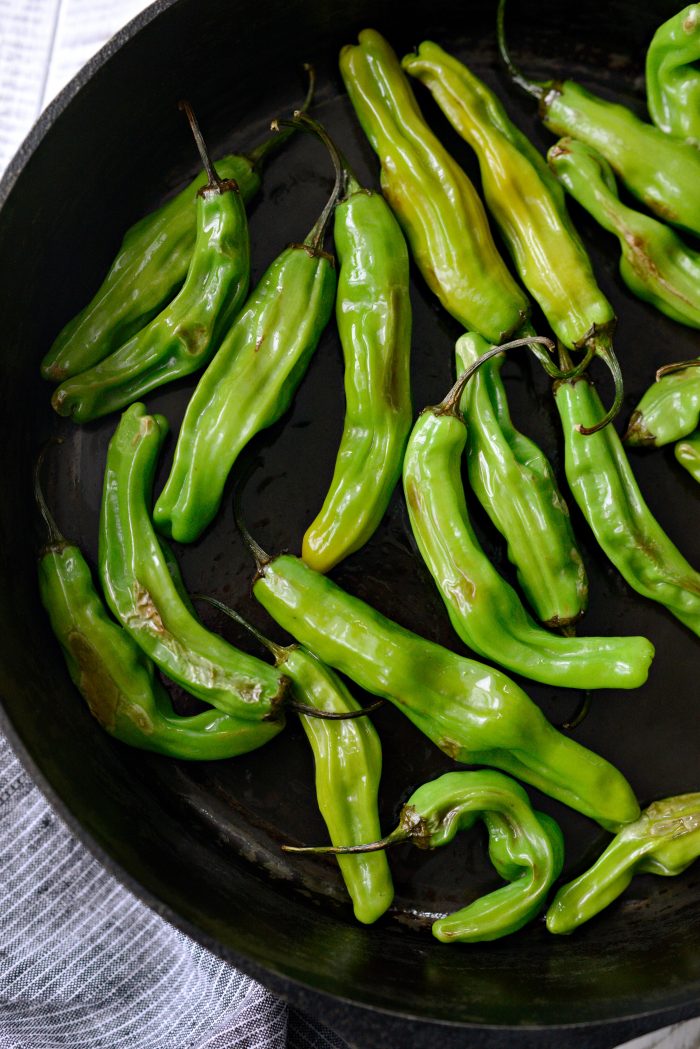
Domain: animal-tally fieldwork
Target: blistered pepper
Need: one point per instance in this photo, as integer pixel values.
(673, 76)
(660, 170)
(669, 409)
(142, 595)
(656, 265)
(484, 610)
(473, 713)
(664, 840)
(526, 848)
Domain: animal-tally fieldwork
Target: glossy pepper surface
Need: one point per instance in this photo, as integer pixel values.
(142, 595)
(116, 678)
(250, 382)
(471, 712)
(525, 847)
(669, 409)
(664, 840)
(373, 312)
(660, 170)
(673, 76)
(514, 482)
(687, 453)
(484, 609)
(605, 488)
(436, 204)
(185, 335)
(656, 265)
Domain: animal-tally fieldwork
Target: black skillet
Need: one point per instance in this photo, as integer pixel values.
(200, 844)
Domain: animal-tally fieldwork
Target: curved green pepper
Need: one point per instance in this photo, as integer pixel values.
(185, 335)
(603, 485)
(664, 840)
(114, 676)
(250, 382)
(669, 409)
(655, 264)
(673, 76)
(661, 171)
(484, 610)
(525, 847)
(687, 452)
(514, 482)
(473, 713)
(373, 311)
(142, 595)
(436, 204)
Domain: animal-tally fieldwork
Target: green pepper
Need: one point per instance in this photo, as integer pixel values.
(661, 171)
(116, 678)
(185, 335)
(142, 595)
(348, 760)
(525, 847)
(149, 267)
(673, 76)
(436, 204)
(664, 840)
(669, 409)
(251, 380)
(514, 482)
(604, 486)
(473, 713)
(687, 452)
(655, 264)
(484, 610)
(373, 312)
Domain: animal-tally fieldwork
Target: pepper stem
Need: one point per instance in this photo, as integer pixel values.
(208, 164)
(679, 366)
(260, 153)
(396, 836)
(55, 536)
(603, 349)
(531, 87)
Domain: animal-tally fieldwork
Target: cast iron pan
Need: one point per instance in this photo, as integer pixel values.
(200, 843)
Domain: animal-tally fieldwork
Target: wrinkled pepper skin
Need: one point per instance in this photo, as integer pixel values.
(248, 386)
(474, 714)
(348, 760)
(514, 482)
(440, 211)
(525, 847)
(603, 485)
(664, 840)
(484, 610)
(526, 202)
(687, 453)
(669, 410)
(655, 263)
(148, 270)
(373, 312)
(673, 76)
(185, 335)
(117, 680)
(142, 595)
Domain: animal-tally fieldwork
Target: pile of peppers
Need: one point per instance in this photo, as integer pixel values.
(177, 300)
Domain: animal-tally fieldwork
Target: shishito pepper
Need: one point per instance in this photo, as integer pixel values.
(473, 713)
(658, 169)
(514, 482)
(142, 595)
(673, 75)
(433, 199)
(526, 848)
(185, 335)
(116, 678)
(251, 381)
(664, 840)
(687, 453)
(484, 610)
(149, 267)
(655, 263)
(373, 312)
(604, 486)
(669, 409)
